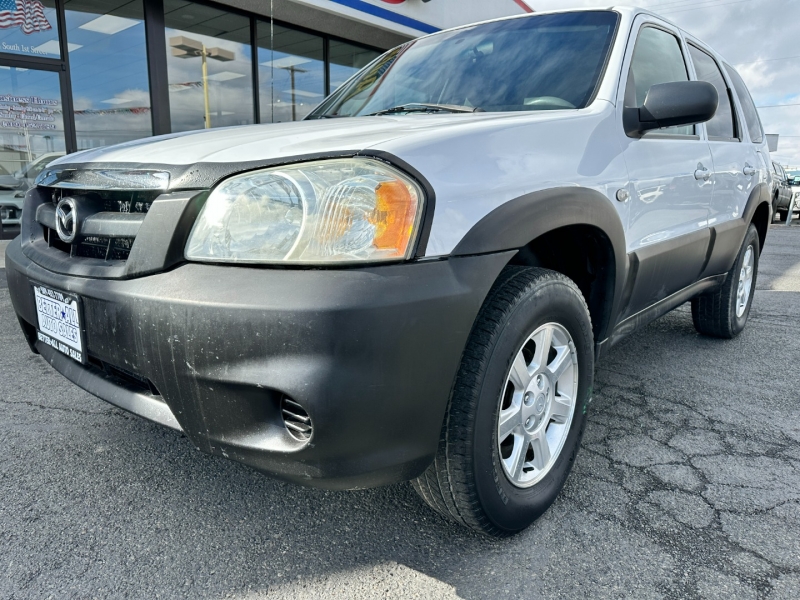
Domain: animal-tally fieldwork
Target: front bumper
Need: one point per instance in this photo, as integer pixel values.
(370, 353)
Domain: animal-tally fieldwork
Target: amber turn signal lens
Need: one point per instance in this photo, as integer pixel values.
(394, 217)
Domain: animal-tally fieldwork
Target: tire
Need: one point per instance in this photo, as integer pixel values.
(719, 313)
(782, 214)
(468, 482)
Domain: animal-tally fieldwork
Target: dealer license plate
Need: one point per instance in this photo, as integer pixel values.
(59, 317)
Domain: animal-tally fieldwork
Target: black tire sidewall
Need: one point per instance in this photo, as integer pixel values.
(508, 507)
(750, 238)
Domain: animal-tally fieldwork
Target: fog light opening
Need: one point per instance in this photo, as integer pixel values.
(296, 420)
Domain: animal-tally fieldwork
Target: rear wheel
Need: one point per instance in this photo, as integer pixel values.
(723, 313)
(518, 407)
(782, 216)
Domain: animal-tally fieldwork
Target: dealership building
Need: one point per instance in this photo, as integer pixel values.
(77, 74)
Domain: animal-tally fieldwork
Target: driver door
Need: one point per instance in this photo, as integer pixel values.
(670, 175)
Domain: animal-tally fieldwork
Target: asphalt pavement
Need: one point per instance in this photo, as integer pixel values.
(687, 486)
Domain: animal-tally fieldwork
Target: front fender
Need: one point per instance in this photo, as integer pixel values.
(520, 221)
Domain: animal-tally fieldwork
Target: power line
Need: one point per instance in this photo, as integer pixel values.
(752, 62)
(673, 3)
(667, 12)
(777, 105)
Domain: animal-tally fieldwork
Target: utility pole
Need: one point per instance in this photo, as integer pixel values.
(292, 70)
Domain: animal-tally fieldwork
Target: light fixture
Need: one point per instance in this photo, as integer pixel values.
(286, 62)
(52, 47)
(225, 76)
(109, 24)
(303, 93)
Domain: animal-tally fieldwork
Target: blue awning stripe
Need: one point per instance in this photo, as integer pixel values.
(377, 11)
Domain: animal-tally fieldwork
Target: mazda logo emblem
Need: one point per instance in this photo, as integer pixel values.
(67, 220)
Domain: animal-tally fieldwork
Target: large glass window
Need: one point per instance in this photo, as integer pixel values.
(291, 72)
(657, 58)
(209, 66)
(108, 63)
(31, 126)
(346, 60)
(748, 106)
(29, 28)
(722, 125)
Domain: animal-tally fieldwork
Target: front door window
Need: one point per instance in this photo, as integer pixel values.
(657, 58)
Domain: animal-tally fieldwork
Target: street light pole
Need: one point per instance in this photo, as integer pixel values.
(204, 54)
(183, 47)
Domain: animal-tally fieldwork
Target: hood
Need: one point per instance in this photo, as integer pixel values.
(252, 143)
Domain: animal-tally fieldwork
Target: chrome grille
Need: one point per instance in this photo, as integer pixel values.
(108, 231)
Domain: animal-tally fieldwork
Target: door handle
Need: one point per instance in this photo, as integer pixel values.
(748, 170)
(702, 173)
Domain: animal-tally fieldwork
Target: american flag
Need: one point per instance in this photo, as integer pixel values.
(28, 15)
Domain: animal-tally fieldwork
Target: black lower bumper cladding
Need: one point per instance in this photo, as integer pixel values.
(369, 354)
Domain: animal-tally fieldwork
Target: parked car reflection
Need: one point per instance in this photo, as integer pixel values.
(13, 188)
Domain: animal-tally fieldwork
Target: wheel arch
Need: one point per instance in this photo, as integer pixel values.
(762, 215)
(573, 230)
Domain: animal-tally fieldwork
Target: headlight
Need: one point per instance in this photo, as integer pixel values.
(329, 211)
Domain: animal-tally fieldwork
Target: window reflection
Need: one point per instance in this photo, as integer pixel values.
(291, 73)
(32, 30)
(108, 63)
(31, 128)
(346, 60)
(224, 96)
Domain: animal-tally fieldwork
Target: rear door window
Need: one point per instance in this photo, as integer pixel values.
(722, 126)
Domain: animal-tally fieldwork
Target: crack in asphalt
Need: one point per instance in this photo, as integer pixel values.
(684, 538)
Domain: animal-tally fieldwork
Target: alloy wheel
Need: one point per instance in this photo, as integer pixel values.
(745, 281)
(537, 404)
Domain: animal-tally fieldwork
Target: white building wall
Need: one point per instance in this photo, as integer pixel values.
(415, 17)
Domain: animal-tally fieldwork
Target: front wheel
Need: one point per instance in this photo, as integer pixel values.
(518, 408)
(723, 313)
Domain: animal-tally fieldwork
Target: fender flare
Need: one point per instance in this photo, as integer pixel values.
(520, 221)
(759, 195)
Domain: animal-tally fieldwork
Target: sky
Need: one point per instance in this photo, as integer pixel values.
(760, 38)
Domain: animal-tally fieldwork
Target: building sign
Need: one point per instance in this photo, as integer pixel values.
(28, 15)
(415, 17)
(28, 112)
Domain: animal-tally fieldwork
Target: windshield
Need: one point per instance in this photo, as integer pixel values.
(543, 62)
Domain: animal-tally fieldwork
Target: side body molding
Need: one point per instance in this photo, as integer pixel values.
(520, 221)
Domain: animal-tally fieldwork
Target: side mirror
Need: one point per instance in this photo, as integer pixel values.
(672, 104)
(18, 174)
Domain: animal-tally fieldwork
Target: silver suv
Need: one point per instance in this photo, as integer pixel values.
(415, 282)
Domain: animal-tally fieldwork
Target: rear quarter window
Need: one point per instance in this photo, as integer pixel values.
(748, 106)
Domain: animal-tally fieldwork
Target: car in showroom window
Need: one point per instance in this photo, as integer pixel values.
(415, 283)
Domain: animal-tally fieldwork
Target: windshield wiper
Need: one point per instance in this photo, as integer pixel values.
(326, 116)
(425, 107)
